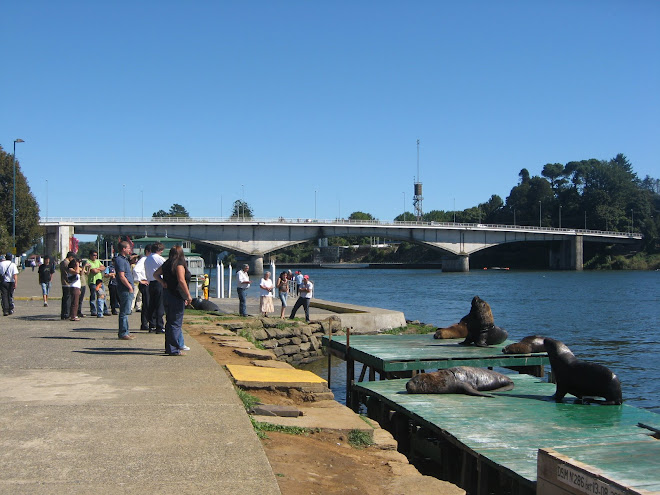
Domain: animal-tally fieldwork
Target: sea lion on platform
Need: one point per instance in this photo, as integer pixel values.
(481, 327)
(580, 378)
(529, 344)
(459, 380)
(204, 304)
(456, 331)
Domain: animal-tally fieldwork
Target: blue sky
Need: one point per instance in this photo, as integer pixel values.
(311, 108)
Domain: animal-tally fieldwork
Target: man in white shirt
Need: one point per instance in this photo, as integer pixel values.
(156, 309)
(242, 286)
(305, 297)
(142, 285)
(8, 282)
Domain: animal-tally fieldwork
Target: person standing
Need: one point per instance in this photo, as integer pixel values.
(74, 270)
(156, 309)
(266, 294)
(174, 276)
(140, 277)
(83, 274)
(299, 280)
(45, 274)
(243, 285)
(66, 287)
(205, 286)
(95, 274)
(124, 278)
(283, 290)
(8, 283)
(305, 297)
(112, 287)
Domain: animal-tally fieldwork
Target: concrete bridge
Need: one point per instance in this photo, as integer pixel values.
(256, 237)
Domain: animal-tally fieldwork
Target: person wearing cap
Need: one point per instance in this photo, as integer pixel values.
(205, 286)
(306, 289)
(8, 282)
(243, 285)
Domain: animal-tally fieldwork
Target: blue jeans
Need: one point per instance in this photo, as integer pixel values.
(242, 301)
(304, 302)
(125, 302)
(93, 305)
(174, 307)
(100, 307)
(45, 288)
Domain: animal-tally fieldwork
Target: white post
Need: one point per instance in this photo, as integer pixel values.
(220, 280)
(273, 276)
(229, 285)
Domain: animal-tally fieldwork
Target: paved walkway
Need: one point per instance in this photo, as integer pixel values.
(83, 412)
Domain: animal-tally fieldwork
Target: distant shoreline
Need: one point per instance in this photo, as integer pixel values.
(418, 266)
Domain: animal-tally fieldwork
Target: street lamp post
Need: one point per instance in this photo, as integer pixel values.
(539, 214)
(404, 204)
(123, 200)
(13, 230)
(560, 216)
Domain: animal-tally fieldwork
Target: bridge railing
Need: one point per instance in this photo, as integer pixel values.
(335, 221)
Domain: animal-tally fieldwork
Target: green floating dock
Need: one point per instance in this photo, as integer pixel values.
(502, 434)
(388, 353)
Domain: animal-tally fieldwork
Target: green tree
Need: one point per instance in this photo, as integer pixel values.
(176, 210)
(241, 210)
(28, 230)
(359, 215)
(554, 173)
(406, 216)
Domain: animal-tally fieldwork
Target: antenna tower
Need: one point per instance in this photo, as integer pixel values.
(417, 198)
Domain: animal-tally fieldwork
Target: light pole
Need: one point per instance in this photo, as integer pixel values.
(539, 214)
(560, 216)
(314, 204)
(123, 200)
(404, 204)
(142, 205)
(46, 198)
(514, 217)
(13, 231)
(454, 210)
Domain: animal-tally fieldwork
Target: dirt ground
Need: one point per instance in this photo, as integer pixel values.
(318, 463)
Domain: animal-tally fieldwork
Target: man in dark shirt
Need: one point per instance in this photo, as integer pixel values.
(66, 289)
(124, 288)
(45, 276)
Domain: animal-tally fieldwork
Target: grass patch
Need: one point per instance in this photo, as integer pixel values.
(249, 337)
(359, 439)
(248, 400)
(261, 429)
(366, 420)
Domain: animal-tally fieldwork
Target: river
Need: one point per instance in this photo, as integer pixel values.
(607, 317)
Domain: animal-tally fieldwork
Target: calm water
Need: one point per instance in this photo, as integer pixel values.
(612, 318)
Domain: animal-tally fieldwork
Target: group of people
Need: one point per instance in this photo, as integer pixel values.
(304, 290)
(161, 284)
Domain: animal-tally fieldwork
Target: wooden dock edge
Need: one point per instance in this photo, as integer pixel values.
(558, 474)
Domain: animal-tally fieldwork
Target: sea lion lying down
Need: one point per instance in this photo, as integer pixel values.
(529, 344)
(580, 378)
(477, 327)
(204, 304)
(459, 380)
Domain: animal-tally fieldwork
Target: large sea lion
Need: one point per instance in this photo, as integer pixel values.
(529, 344)
(481, 327)
(580, 378)
(204, 304)
(459, 380)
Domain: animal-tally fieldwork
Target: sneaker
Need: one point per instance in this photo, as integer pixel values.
(185, 348)
(45, 305)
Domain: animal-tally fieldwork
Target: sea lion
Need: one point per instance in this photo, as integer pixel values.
(456, 331)
(459, 380)
(580, 378)
(481, 327)
(529, 344)
(204, 304)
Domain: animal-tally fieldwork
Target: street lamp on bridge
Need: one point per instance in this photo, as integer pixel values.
(13, 229)
(560, 216)
(539, 213)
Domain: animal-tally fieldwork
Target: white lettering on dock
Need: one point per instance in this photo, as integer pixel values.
(584, 482)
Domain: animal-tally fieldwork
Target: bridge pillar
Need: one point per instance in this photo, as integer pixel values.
(57, 240)
(460, 263)
(570, 255)
(257, 265)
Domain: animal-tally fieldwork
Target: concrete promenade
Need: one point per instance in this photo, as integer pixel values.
(83, 412)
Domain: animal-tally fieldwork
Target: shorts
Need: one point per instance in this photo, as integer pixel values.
(45, 288)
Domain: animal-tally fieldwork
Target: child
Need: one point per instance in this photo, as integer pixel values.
(100, 299)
